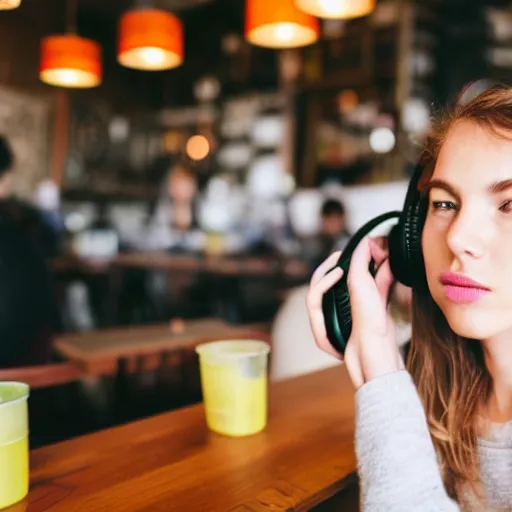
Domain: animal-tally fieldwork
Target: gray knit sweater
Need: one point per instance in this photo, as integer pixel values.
(397, 462)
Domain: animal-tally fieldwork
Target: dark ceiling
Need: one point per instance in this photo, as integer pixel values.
(206, 23)
(116, 6)
(186, 9)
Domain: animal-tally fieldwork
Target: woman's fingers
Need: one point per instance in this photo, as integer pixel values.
(316, 291)
(324, 267)
(359, 278)
(316, 319)
(366, 292)
(384, 279)
(378, 252)
(315, 313)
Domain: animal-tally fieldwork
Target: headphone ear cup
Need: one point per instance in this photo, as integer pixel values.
(398, 254)
(337, 315)
(336, 301)
(413, 228)
(404, 240)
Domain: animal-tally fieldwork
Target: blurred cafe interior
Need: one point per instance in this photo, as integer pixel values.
(171, 173)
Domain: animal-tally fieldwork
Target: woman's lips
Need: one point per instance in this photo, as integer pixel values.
(462, 294)
(462, 289)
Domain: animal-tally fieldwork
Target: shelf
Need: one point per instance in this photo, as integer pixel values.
(122, 194)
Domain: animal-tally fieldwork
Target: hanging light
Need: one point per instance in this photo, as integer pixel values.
(6, 5)
(279, 24)
(336, 9)
(150, 40)
(68, 60)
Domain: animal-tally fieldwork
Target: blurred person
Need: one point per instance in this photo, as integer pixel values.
(173, 227)
(173, 223)
(28, 312)
(333, 235)
(333, 223)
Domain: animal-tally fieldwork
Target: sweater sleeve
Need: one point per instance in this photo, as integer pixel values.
(397, 463)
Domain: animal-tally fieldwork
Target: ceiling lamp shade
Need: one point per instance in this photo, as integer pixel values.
(68, 60)
(336, 9)
(6, 5)
(150, 40)
(279, 24)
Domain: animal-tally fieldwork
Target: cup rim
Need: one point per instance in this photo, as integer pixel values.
(15, 400)
(264, 348)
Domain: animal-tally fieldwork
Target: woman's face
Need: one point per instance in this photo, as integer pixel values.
(181, 186)
(467, 237)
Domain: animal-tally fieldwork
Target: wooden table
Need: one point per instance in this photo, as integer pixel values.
(225, 274)
(221, 265)
(98, 352)
(173, 463)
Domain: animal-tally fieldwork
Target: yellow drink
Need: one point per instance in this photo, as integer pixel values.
(234, 383)
(14, 471)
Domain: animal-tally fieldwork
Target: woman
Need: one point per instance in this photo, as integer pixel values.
(439, 435)
(173, 223)
(173, 227)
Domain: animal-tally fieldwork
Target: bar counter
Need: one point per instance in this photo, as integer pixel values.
(171, 462)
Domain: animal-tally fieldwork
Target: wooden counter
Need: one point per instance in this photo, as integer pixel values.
(173, 463)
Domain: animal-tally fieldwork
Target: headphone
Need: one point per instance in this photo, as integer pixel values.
(404, 243)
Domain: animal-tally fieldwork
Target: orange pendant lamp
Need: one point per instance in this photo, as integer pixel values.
(279, 24)
(336, 9)
(6, 5)
(150, 40)
(68, 60)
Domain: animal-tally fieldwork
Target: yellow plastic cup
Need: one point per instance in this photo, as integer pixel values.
(14, 454)
(234, 382)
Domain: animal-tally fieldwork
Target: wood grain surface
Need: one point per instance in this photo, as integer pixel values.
(172, 462)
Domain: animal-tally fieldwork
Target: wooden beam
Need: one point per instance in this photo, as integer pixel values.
(60, 137)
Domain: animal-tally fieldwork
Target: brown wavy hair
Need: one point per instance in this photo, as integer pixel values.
(452, 379)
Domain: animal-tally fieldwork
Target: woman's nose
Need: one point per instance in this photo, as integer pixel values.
(468, 235)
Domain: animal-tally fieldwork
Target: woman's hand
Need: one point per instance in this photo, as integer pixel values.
(372, 349)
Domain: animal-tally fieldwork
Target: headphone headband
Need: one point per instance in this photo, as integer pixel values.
(473, 89)
(364, 231)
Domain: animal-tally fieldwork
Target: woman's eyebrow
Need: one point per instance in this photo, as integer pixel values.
(500, 186)
(494, 188)
(443, 185)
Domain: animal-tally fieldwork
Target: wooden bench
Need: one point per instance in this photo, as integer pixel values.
(43, 376)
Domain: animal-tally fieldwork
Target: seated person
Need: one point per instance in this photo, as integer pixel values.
(333, 235)
(27, 313)
(172, 224)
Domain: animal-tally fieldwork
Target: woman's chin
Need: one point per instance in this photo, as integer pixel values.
(468, 323)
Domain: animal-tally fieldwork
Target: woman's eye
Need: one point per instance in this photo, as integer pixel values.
(506, 207)
(445, 205)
